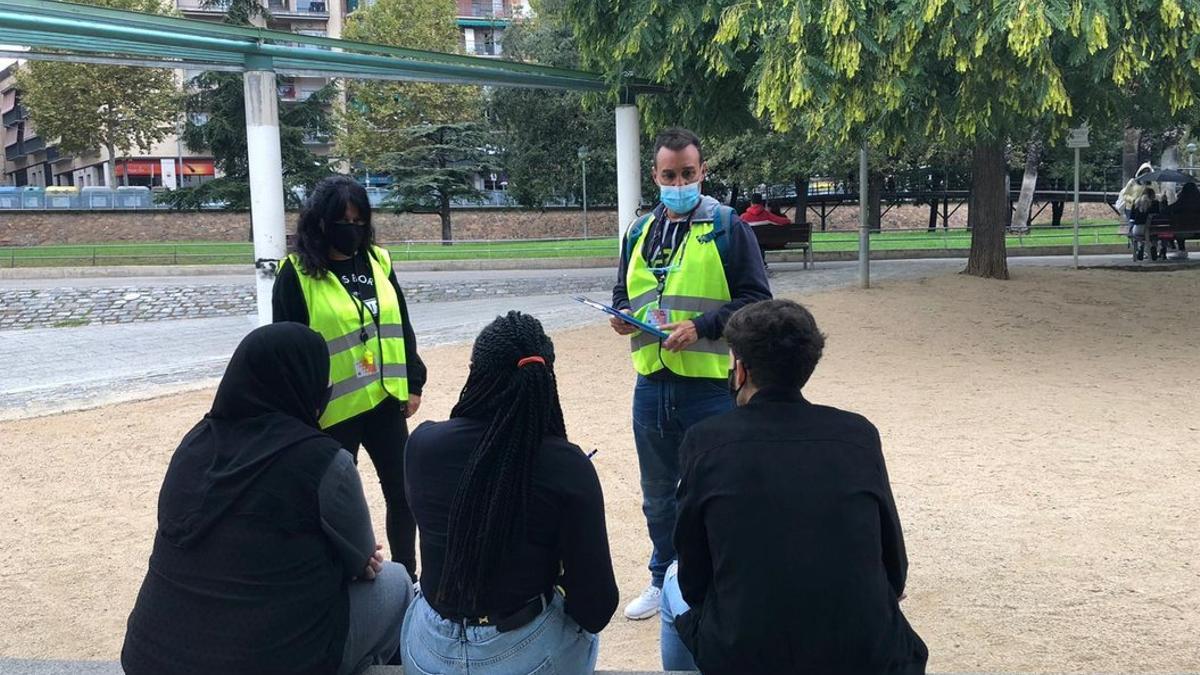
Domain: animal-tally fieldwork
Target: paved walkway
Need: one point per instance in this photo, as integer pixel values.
(53, 369)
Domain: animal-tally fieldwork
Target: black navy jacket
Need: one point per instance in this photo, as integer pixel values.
(790, 549)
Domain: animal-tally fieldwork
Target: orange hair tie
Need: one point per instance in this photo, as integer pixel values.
(531, 359)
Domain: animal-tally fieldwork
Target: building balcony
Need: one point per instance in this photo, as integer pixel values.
(15, 115)
(304, 9)
(484, 8)
(203, 6)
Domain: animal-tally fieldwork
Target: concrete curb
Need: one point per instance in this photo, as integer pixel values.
(520, 263)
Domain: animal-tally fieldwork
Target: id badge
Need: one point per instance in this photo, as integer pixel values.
(657, 318)
(365, 366)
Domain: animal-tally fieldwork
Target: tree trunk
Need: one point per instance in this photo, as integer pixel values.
(1056, 213)
(801, 215)
(874, 200)
(444, 213)
(933, 213)
(734, 193)
(1033, 156)
(1169, 160)
(110, 168)
(1129, 154)
(988, 211)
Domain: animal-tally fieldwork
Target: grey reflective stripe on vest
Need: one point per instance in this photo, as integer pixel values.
(687, 303)
(353, 384)
(353, 338)
(703, 345)
(639, 340)
(642, 300)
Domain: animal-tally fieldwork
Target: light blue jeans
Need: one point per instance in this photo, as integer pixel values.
(550, 644)
(675, 655)
(663, 411)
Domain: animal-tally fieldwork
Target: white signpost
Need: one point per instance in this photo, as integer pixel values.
(1077, 138)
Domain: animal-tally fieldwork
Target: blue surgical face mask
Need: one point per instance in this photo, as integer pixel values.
(680, 198)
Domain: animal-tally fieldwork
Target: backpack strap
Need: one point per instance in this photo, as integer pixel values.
(635, 232)
(722, 233)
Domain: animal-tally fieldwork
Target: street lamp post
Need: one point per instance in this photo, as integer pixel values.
(583, 153)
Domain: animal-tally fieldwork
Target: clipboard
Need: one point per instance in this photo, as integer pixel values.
(640, 325)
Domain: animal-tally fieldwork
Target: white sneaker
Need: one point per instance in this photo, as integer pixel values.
(645, 605)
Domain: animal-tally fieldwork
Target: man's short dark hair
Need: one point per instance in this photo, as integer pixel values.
(777, 341)
(677, 138)
(756, 198)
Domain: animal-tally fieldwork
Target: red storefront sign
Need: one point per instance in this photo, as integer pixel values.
(153, 167)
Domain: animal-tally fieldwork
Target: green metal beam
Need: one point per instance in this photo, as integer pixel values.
(112, 31)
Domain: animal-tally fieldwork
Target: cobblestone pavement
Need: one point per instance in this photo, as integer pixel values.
(67, 304)
(52, 369)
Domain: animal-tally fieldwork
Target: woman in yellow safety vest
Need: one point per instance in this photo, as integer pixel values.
(339, 283)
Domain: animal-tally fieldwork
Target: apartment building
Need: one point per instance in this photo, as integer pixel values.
(31, 159)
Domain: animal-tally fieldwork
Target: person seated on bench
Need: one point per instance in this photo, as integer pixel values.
(265, 560)
(1144, 209)
(790, 553)
(508, 510)
(759, 214)
(1185, 212)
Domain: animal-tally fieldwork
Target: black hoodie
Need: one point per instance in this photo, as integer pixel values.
(246, 576)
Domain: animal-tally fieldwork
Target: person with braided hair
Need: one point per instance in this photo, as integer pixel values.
(514, 546)
(339, 283)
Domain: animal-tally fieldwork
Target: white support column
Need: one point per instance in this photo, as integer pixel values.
(266, 179)
(629, 165)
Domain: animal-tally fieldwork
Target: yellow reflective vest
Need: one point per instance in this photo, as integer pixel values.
(366, 359)
(694, 284)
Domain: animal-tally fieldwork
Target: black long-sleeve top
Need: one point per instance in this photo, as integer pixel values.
(741, 258)
(791, 555)
(565, 542)
(287, 304)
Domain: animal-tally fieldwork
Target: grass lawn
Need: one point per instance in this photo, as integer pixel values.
(209, 253)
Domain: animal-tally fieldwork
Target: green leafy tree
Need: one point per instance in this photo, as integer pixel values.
(427, 137)
(377, 111)
(437, 165)
(216, 121)
(88, 107)
(969, 74)
(542, 131)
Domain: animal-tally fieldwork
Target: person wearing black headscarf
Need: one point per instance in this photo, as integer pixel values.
(265, 560)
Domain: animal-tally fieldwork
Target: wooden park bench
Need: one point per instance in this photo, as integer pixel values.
(772, 237)
(1171, 227)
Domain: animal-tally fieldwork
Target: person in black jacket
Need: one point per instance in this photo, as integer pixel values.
(517, 574)
(791, 557)
(265, 560)
(339, 283)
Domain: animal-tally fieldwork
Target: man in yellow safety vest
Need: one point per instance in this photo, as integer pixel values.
(685, 267)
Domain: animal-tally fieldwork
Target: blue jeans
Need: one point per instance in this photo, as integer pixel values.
(675, 656)
(663, 410)
(551, 643)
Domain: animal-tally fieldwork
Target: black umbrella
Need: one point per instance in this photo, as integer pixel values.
(1166, 176)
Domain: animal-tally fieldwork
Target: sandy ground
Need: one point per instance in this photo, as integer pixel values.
(1042, 436)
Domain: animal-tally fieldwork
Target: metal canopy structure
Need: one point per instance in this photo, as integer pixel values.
(62, 31)
(51, 28)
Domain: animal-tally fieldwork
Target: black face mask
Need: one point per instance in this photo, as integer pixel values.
(346, 238)
(734, 390)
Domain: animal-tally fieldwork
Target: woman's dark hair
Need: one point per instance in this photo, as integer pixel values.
(327, 205)
(518, 396)
(777, 341)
